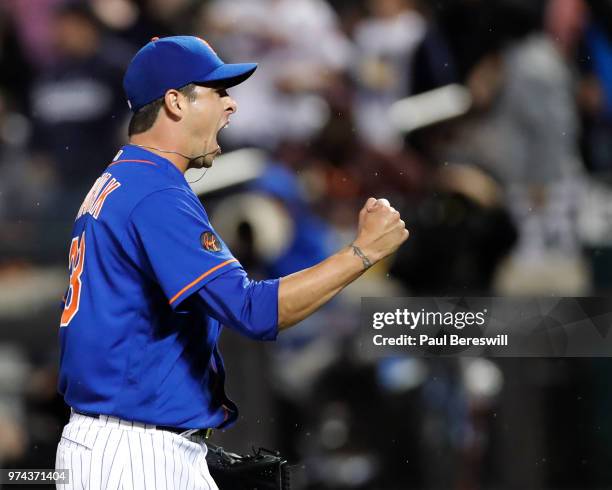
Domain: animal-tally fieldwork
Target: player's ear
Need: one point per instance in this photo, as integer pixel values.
(174, 103)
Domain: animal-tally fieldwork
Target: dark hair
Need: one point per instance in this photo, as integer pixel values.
(145, 117)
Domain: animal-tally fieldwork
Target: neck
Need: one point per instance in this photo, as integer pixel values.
(161, 149)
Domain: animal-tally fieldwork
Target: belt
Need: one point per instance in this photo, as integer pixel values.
(205, 433)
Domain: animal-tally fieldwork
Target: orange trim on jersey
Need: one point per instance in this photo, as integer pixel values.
(135, 161)
(207, 273)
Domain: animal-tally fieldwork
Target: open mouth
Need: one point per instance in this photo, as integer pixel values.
(225, 125)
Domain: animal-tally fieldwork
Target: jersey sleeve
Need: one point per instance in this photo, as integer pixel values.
(173, 234)
(249, 307)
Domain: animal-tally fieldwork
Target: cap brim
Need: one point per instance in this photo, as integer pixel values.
(229, 75)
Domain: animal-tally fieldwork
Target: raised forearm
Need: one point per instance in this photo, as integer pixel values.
(379, 233)
(302, 293)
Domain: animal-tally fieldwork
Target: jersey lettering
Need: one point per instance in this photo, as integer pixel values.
(97, 195)
(93, 192)
(76, 263)
(113, 185)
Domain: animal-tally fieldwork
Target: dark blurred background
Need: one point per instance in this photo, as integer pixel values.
(499, 156)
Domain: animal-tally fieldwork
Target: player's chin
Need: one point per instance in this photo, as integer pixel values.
(208, 160)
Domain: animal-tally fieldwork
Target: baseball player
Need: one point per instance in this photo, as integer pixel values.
(151, 284)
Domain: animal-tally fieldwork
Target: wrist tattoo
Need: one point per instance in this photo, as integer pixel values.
(359, 253)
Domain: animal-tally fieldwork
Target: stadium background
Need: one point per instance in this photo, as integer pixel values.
(510, 195)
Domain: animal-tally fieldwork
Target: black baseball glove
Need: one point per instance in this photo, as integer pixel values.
(262, 470)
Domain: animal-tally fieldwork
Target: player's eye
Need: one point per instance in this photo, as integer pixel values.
(222, 92)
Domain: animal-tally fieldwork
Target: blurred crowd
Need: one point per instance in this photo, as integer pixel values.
(487, 123)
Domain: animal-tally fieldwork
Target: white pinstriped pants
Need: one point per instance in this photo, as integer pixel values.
(114, 454)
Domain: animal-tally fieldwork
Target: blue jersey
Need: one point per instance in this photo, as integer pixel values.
(136, 341)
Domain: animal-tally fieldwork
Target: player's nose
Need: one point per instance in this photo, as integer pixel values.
(231, 105)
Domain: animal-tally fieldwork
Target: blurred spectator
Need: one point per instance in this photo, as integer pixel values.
(34, 27)
(460, 234)
(474, 29)
(299, 48)
(16, 195)
(26, 193)
(595, 94)
(532, 149)
(78, 102)
(15, 69)
(312, 240)
(386, 42)
(564, 21)
(433, 65)
(171, 16)
(136, 21)
(523, 142)
(127, 20)
(349, 12)
(595, 97)
(270, 226)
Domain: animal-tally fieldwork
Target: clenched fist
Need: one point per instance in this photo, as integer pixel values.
(381, 230)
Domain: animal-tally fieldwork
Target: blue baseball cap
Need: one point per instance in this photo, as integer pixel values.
(176, 61)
